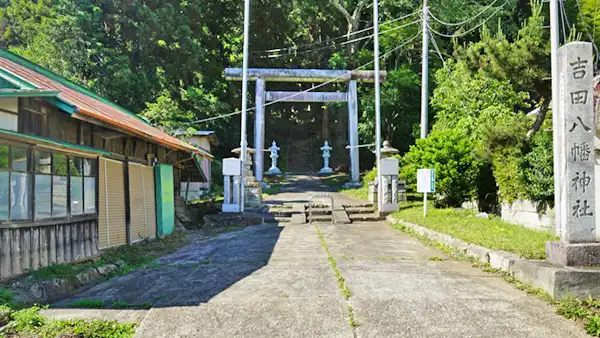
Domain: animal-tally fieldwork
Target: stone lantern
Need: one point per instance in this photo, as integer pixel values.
(390, 193)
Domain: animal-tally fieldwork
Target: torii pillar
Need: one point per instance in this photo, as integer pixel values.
(263, 75)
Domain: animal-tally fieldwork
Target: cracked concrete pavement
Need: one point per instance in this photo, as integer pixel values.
(276, 281)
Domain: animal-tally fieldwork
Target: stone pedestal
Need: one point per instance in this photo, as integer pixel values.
(252, 188)
(580, 254)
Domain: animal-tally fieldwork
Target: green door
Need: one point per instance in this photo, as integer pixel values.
(165, 200)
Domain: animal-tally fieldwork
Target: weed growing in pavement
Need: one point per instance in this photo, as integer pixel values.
(342, 285)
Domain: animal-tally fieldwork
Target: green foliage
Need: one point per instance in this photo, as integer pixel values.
(87, 304)
(593, 325)
(370, 176)
(451, 155)
(29, 322)
(399, 116)
(5, 314)
(538, 171)
(492, 233)
(572, 308)
(6, 296)
(62, 271)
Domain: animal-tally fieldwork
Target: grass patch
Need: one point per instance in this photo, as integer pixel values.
(436, 259)
(338, 275)
(6, 296)
(30, 323)
(492, 233)
(62, 271)
(137, 256)
(351, 319)
(273, 189)
(88, 304)
(361, 193)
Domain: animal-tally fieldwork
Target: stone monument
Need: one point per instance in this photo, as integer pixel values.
(387, 151)
(326, 156)
(253, 188)
(577, 219)
(274, 149)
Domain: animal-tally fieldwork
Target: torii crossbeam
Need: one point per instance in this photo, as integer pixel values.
(263, 75)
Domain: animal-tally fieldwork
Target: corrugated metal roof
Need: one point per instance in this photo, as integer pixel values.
(88, 103)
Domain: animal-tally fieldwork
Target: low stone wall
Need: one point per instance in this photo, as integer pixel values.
(523, 213)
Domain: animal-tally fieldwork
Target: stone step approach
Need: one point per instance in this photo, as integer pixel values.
(298, 213)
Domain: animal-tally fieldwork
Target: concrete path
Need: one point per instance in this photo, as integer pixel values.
(277, 281)
(271, 281)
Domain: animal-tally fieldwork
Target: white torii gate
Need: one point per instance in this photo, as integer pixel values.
(264, 75)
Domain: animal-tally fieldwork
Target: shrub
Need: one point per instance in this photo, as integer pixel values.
(538, 170)
(450, 153)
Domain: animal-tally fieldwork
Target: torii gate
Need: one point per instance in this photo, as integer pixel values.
(263, 75)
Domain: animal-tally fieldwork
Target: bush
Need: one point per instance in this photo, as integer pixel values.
(450, 153)
(538, 170)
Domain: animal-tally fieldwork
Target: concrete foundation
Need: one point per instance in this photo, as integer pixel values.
(579, 254)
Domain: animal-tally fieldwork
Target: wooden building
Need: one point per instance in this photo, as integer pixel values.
(76, 170)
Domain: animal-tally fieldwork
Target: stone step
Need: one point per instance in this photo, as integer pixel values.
(360, 210)
(281, 212)
(372, 217)
(319, 212)
(320, 218)
(359, 205)
(277, 219)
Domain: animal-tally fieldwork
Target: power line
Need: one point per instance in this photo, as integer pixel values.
(341, 44)
(312, 88)
(465, 21)
(563, 16)
(586, 27)
(345, 36)
(472, 29)
(437, 49)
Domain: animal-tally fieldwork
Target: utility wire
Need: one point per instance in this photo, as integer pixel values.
(341, 44)
(312, 88)
(586, 27)
(345, 36)
(437, 49)
(563, 15)
(465, 21)
(456, 35)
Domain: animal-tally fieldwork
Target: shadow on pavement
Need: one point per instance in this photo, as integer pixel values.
(192, 275)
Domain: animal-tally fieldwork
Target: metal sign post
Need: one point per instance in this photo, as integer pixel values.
(425, 184)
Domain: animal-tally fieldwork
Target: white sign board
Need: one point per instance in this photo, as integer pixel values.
(426, 180)
(390, 166)
(232, 167)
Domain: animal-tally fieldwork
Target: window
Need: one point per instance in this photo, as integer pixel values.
(90, 169)
(60, 185)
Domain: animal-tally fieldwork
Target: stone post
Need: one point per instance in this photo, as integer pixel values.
(353, 131)
(326, 155)
(274, 149)
(259, 129)
(578, 246)
(232, 169)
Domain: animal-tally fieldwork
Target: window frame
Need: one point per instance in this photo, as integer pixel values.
(33, 172)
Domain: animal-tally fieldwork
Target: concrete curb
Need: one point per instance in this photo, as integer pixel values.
(559, 282)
